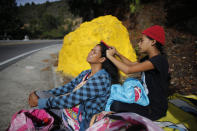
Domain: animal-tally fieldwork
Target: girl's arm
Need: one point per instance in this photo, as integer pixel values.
(128, 69)
(123, 58)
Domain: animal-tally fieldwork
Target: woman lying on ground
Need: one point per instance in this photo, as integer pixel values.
(89, 90)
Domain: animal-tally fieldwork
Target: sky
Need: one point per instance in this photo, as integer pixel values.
(23, 2)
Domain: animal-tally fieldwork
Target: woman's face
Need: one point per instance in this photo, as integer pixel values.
(94, 55)
(144, 43)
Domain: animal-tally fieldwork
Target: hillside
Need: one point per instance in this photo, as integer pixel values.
(181, 42)
(48, 20)
(55, 20)
(181, 39)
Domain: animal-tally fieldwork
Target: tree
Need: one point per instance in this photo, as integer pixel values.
(9, 22)
(97, 8)
(49, 22)
(33, 4)
(27, 4)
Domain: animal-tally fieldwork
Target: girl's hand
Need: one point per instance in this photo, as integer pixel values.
(33, 100)
(116, 52)
(110, 52)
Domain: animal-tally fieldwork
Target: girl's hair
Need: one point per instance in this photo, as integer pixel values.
(158, 46)
(108, 65)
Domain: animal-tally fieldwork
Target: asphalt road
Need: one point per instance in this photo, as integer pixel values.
(18, 80)
(12, 51)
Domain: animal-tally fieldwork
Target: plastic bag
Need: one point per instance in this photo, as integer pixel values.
(123, 121)
(31, 120)
(181, 114)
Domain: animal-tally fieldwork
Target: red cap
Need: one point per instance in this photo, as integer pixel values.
(155, 32)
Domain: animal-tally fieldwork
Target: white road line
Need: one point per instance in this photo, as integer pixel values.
(24, 54)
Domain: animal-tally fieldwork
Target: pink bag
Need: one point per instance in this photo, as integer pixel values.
(31, 120)
(123, 121)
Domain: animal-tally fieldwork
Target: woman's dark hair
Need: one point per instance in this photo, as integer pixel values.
(108, 65)
(158, 46)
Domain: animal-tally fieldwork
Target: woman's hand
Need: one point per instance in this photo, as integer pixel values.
(33, 99)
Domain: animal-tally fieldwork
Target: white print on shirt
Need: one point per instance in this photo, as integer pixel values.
(144, 83)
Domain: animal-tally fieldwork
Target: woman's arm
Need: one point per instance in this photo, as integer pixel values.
(94, 87)
(67, 87)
